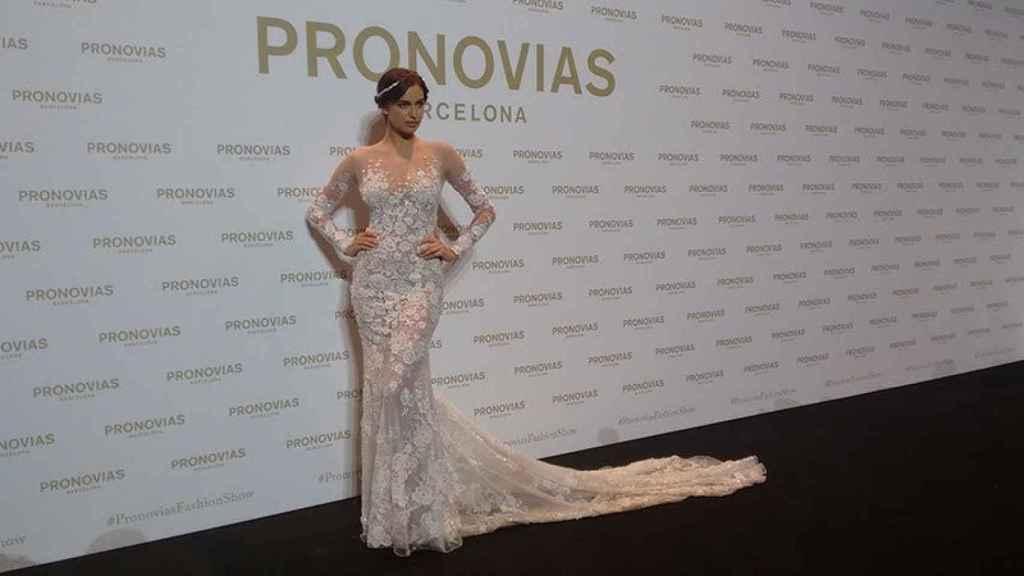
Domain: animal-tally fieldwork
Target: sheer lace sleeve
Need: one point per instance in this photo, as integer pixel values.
(321, 210)
(461, 180)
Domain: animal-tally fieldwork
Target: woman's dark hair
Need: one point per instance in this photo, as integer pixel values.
(406, 79)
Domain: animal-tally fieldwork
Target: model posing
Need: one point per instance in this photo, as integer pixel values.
(430, 475)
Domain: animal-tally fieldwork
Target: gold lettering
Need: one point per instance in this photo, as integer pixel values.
(264, 49)
(513, 79)
(540, 67)
(566, 60)
(359, 54)
(315, 52)
(432, 60)
(602, 72)
(436, 65)
(460, 49)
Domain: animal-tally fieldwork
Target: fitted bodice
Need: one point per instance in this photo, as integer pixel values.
(403, 211)
(403, 195)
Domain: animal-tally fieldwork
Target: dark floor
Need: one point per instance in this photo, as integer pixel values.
(915, 480)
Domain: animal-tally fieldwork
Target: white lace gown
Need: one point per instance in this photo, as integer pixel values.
(430, 475)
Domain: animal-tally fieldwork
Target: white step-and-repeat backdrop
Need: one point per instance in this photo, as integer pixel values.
(706, 210)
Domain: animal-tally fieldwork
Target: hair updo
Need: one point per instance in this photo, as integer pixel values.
(405, 79)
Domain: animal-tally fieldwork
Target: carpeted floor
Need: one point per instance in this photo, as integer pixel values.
(914, 480)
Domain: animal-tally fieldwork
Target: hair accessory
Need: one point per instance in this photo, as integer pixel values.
(393, 84)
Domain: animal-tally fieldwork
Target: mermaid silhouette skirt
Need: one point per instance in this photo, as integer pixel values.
(431, 476)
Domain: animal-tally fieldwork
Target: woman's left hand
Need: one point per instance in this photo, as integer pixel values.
(432, 247)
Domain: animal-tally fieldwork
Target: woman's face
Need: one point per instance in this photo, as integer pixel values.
(405, 115)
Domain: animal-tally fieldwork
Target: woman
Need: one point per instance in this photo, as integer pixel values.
(430, 476)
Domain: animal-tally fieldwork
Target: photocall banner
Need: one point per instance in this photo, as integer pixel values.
(706, 211)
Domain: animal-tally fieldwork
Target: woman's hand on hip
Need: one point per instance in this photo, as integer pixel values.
(365, 240)
(432, 247)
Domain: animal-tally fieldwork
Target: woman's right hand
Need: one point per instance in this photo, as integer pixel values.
(365, 240)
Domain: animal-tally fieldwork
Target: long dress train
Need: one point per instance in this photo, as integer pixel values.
(430, 475)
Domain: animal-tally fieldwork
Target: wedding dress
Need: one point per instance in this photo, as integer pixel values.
(430, 475)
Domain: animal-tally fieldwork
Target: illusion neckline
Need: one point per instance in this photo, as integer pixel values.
(376, 165)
